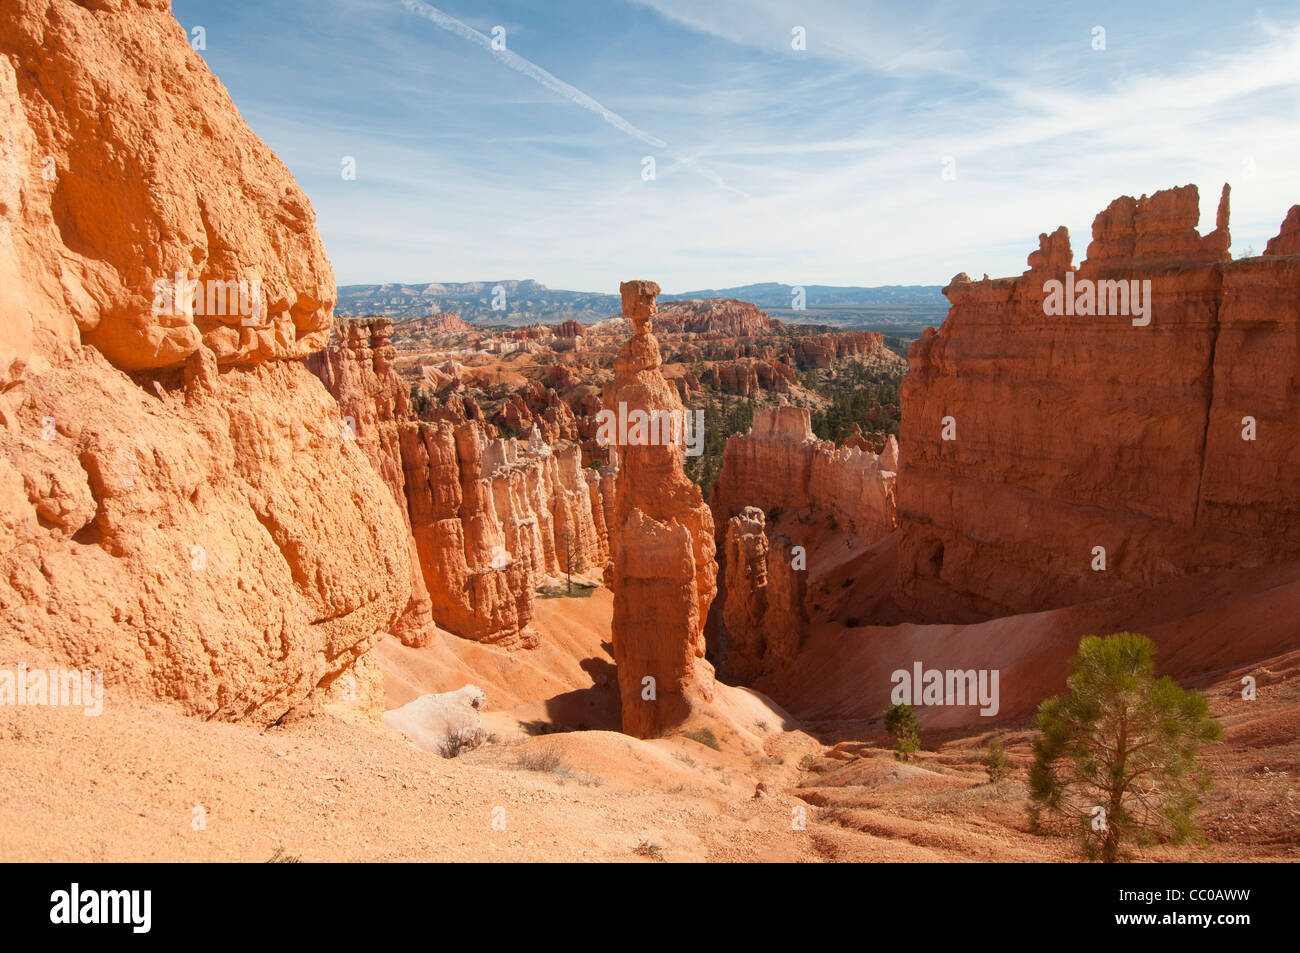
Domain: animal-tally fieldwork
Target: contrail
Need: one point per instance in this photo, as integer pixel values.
(560, 88)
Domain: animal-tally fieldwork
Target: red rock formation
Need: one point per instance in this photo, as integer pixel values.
(1079, 431)
(765, 613)
(490, 520)
(477, 588)
(373, 404)
(780, 465)
(722, 317)
(781, 468)
(664, 574)
(747, 377)
(203, 536)
(1287, 241)
(746, 550)
(764, 616)
(822, 350)
(815, 351)
(535, 405)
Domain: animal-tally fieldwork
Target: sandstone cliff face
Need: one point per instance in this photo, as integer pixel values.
(747, 377)
(219, 543)
(764, 611)
(538, 406)
(1074, 432)
(478, 591)
(779, 465)
(373, 406)
(664, 576)
(113, 189)
(200, 530)
(781, 468)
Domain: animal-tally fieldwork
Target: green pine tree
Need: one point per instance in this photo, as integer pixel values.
(902, 723)
(998, 765)
(1117, 753)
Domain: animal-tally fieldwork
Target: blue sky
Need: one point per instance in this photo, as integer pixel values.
(815, 166)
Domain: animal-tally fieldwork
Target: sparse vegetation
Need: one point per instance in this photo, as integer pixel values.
(1117, 755)
(723, 418)
(704, 736)
(902, 723)
(544, 761)
(572, 554)
(858, 396)
(649, 849)
(548, 762)
(579, 590)
(997, 764)
(420, 401)
(459, 741)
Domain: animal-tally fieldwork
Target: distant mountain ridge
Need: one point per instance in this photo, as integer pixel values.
(528, 302)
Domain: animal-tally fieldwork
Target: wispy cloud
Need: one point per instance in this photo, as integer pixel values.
(561, 88)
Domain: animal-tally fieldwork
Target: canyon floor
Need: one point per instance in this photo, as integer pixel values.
(553, 783)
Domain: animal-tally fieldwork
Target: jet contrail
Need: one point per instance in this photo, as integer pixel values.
(560, 88)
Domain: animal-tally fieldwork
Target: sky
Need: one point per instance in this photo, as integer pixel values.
(904, 143)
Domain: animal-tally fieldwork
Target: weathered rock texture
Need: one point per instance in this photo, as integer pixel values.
(374, 406)
(780, 465)
(764, 614)
(489, 520)
(664, 575)
(781, 469)
(721, 317)
(126, 165)
(198, 529)
(1076, 432)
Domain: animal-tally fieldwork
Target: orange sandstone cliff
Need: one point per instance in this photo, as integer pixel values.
(781, 465)
(107, 203)
(181, 508)
(374, 407)
(781, 488)
(1093, 455)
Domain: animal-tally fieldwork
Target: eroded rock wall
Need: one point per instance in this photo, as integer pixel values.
(127, 166)
(490, 520)
(1082, 437)
(779, 465)
(358, 372)
(779, 468)
(181, 510)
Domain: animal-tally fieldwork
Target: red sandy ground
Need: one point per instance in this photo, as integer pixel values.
(337, 786)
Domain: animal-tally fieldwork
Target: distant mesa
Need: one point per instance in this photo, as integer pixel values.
(443, 322)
